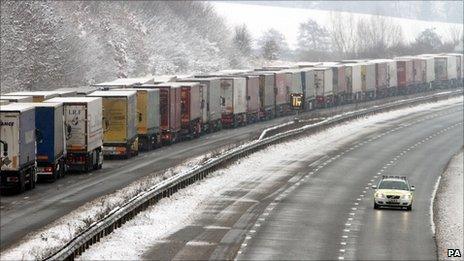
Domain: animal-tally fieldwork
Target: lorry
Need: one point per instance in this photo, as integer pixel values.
(65, 92)
(50, 138)
(233, 101)
(281, 94)
(37, 96)
(18, 147)
(266, 94)
(429, 70)
(404, 67)
(353, 80)
(83, 132)
(119, 123)
(324, 86)
(419, 73)
(381, 76)
(125, 83)
(338, 81)
(78, 91)
(309, 91)
(294, 82)
(392, 78)
(459, 67)
(368, 80)
(191, 107)
(253, 103)
(147, 118)
(211, 86)
(16, 98)
(170, 110)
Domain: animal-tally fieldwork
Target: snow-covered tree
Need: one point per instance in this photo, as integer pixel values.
(312, 36)
(272, 44)
(428, 40)
(242, 39)
(52, 44)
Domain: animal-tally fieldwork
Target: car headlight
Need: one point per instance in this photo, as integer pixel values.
(407, 196)
(379, 195)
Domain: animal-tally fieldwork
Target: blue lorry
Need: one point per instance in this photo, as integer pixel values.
(51, 148)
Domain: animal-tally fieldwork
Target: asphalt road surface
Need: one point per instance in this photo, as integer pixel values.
(324, 209)
(21, 214)
(30, 211)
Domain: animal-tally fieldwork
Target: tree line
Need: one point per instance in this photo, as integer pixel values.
(345, 37)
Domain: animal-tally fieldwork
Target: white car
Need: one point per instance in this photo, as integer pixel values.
(393, 191)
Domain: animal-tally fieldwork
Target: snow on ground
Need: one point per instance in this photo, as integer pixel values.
(42, 243)
(260, 18)
(170, 214)
(448, 210)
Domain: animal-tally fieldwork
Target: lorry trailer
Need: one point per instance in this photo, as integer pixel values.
(324, 86)
(37, 96)
(212, 104)
(16, 98)
(51, 150)
(18, 147)
(83, 132)
(147, 118)
(404, 67)
(233, 101)
(170, 110)
(191, 108)
(309, 91)
(266, 94)
(119, 126)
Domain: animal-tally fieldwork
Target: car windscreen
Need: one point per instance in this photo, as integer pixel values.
(393, 184)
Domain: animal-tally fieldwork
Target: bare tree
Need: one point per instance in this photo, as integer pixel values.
(343, 34)
(455, 34)
(376, 35)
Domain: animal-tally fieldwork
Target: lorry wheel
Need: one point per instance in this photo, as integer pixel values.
(63, 169)
(33, 180)
(97, 159)
(30, 181)
(55, 175)
(22, 182)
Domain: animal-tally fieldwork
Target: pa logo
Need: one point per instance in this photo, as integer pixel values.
(454, 252)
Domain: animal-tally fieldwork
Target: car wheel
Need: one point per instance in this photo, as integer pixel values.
(376, 206)
(409, 208)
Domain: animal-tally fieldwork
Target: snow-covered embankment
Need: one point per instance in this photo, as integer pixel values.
(448, 209)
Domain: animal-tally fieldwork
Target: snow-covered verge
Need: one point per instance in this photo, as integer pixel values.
(40, 244)
(448, 209)
(170, 213)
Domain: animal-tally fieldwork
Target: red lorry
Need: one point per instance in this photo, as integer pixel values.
(170, 110)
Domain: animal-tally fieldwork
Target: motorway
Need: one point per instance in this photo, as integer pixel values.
(323, 210)
(21, 214)
(31, 211)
